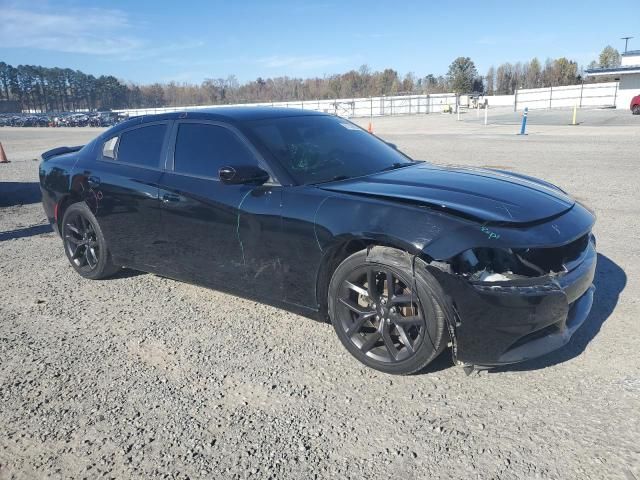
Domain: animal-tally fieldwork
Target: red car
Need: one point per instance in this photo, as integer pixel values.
(635, 105)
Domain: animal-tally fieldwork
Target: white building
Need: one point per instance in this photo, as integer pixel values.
(627, 74)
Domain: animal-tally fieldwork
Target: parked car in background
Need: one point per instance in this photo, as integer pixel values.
(61, 119)
(310, 212)
(635, 105)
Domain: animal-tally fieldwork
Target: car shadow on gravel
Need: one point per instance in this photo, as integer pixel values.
(124, 273)
(610, 280)
(19, 193)
(25, 232)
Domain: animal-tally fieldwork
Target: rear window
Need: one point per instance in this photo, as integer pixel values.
(142, 146)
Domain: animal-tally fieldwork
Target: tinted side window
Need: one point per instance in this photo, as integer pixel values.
(142, 146)
(202, 149)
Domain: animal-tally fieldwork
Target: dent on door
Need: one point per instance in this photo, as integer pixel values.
(260, 237)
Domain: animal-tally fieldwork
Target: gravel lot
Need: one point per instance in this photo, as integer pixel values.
(140, 376)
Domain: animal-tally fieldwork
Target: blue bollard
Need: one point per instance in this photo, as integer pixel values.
(524, 121)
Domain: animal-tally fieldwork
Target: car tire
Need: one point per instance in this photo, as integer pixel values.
(371, 323)
(84, 243)
(636, 110)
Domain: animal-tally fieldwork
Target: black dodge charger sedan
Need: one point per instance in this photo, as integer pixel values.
(310, 212)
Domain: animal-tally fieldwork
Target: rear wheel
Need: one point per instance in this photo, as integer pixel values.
(636, 109)
(84, 243)
(385, 316)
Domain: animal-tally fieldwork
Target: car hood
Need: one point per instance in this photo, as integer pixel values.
(481, 194)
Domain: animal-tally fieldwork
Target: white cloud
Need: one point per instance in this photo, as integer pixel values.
(91, 31)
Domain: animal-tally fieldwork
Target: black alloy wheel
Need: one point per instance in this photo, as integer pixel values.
(383, 316)
(81, 242)
(84, 243)
(386, 317)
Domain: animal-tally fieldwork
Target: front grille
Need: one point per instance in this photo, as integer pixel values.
(554, 259)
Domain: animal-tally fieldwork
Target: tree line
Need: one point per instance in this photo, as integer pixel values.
(509, 77)
(64, 89)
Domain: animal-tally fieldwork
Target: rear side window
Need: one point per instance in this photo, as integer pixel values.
(201, 150)
(142, 146)
(109, 148)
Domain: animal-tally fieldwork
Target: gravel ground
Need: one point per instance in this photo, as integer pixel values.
(141, 376)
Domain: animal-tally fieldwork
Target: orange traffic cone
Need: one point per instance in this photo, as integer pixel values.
(3, 156)
(370, 129)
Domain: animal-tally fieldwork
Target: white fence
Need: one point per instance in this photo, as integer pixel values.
(344, 107)
(589, 95)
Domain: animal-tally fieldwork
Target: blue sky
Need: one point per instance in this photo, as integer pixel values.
(146, 41)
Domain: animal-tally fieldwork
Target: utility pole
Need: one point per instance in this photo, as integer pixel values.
(626, 42)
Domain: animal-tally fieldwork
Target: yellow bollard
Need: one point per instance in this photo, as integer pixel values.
(575, 112)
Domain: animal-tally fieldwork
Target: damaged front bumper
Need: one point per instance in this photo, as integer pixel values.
(499, 323)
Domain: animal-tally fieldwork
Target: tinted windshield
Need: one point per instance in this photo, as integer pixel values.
(316, 149)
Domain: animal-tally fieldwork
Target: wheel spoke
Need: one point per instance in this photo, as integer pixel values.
(371, 342)
(388, 342)
(77, 252)
(74, 229)
(83, 223)
(357, 289)
(87, 257)
(92, 251)
(354, 307)
(72, 239)
(357, 324)
(405, 339)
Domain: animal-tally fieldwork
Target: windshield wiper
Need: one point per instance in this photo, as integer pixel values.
(397, 165)
(334, 179)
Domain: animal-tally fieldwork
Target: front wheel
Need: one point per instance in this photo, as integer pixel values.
(636, 110)
(84, 243)
(387, 317)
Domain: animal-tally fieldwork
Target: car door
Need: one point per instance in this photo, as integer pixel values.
(121, 186)
(217, 234)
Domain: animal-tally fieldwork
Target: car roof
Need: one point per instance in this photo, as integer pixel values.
(223, 114)
(231, 114)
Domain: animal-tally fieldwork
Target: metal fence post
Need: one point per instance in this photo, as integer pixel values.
(550, 96)
(515, 100)
(615, 95)
(581, 89)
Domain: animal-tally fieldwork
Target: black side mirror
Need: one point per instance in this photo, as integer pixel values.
(242, 174)
(392, 145)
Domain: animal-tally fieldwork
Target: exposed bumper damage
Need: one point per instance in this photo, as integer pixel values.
(514, 304)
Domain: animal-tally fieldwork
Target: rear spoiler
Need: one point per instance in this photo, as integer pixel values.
(59, 151)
